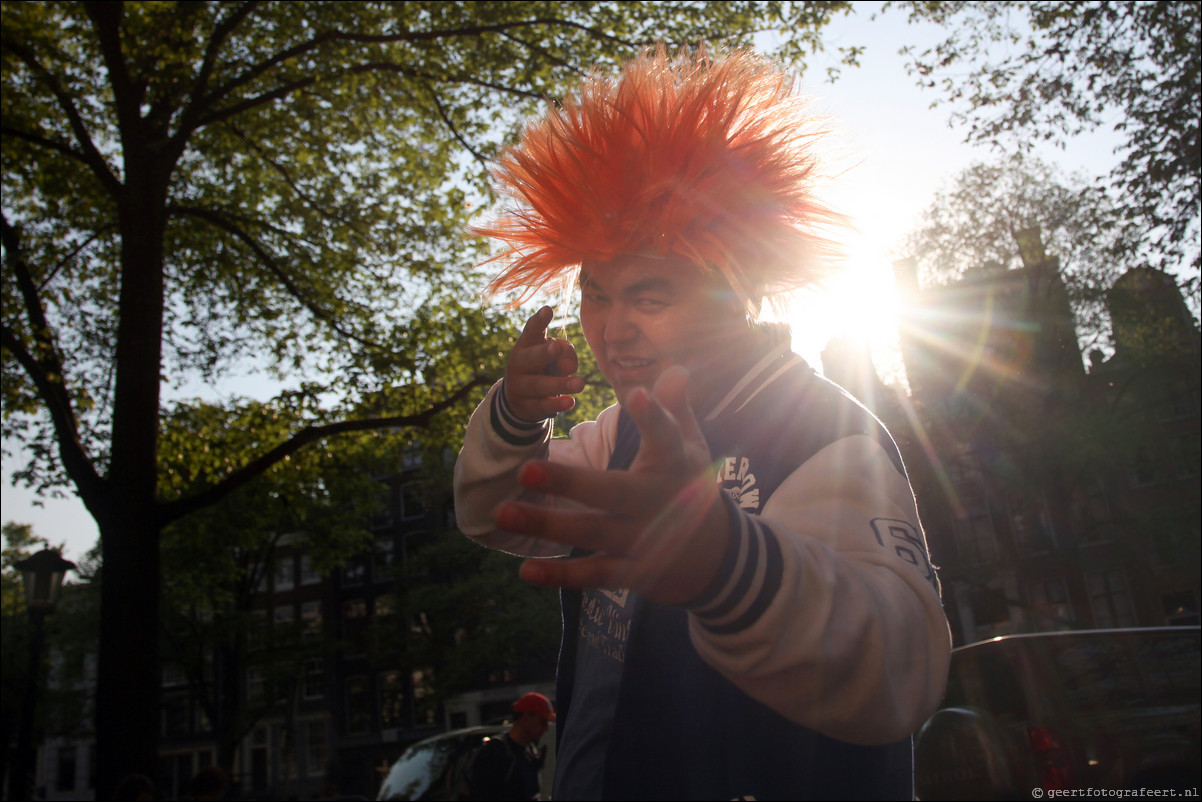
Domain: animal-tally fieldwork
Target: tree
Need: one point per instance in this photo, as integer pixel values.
(221, 558)
(191, 186)
(1045, 71)
(978, 222)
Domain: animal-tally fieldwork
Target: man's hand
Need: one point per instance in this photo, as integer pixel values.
(658, 528)
(538, 372)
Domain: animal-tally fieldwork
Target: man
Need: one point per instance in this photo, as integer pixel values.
(507, 767)
(749, 608)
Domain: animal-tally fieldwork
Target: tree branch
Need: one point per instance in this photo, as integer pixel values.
(191, 112)
(279, 92)
(267, 260)
(45, 369)
(442, 113)
(406, 36)
(127, 96)
(174, 510)
(285, 174)
(90, 156)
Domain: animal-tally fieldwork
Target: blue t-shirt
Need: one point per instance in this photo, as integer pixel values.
(601, 653)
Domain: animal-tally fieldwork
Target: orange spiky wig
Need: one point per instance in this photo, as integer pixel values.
(700, 157)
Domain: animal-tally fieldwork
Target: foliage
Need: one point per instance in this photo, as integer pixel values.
(474, 618)
(1017, 73)
(302, 171)
(319, 502)
(976, 222)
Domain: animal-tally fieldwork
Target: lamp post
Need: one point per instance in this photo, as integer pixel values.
(42, 575)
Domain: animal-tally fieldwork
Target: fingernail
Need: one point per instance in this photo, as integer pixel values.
(638, 400)
(511, 517)
(534, 475)
(533, 573)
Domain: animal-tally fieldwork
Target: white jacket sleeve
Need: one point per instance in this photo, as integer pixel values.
(495, 445)
(828, 609)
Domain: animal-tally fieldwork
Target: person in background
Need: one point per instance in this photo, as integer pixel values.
(507, 766)
(749, 608)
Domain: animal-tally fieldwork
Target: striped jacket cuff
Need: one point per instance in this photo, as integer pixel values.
(509, 427)
(748, 581)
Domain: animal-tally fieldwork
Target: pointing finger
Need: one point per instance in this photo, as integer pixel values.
(534, 332)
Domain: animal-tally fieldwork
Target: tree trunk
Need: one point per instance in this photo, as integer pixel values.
(127, 694)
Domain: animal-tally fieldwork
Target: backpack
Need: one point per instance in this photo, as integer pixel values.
(470, 785)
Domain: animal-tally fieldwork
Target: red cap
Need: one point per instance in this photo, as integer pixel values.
(535, 703)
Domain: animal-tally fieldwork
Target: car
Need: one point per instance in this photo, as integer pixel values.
(1094, 709)
(433, 769)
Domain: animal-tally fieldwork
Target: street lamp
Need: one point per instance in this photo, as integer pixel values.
(43, 577)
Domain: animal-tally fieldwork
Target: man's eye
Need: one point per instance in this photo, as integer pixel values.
(594, 298)
(650, 304)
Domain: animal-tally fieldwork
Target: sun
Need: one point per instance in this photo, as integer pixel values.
(860, 304)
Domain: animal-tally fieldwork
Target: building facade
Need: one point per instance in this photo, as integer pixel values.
(1054, 497)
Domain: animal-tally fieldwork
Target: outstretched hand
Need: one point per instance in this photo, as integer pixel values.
(538, 371)
(658, 528)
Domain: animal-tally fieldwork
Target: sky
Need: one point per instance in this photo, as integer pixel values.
(891, 154)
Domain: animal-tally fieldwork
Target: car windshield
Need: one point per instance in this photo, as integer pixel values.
(418, 769)
(1094, 672)
(1136, 671)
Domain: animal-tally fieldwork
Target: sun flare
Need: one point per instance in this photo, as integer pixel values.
(859, 304)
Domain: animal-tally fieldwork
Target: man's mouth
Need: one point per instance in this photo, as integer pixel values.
(631, 363)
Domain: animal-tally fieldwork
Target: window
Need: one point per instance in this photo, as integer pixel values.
(202, 722)
(392, 699)
(354, 618)
(285, 573)
(1144, 469)
(1092, 511)
(285, 614)
(975, 539)
(64, 779)
(358, 703)
(260, 755)
(256, 685)
(315, 679)
(1049, 604)
(1182, 398)
(412, 504)
(311, 617)
(315, 747)
(1110, 599)
(173, 674)
(385, 554)
(257, 636)
(1032, 524)
(355, 572)
(411, 458)
(386, 605)
(423, 714)
(309, 574)
(175, 716)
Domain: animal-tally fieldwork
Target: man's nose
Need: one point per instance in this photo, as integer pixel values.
(619, 324)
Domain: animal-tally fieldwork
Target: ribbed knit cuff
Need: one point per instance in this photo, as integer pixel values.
(512, 429)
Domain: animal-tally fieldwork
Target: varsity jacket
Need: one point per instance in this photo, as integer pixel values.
(822, 645)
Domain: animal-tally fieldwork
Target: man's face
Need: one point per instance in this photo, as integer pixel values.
(533, 726)
(642, 315)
